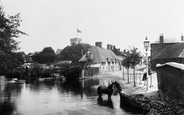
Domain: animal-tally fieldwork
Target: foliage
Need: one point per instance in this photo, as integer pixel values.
(74, 53)
(10, 61)
(37, 71)
(74, 73)
(17, 73)
(9, 30)
(8, 45)
(47, 55)
(135, 57)
(131, 58)
(64, 69)
(70, 71)
(127, 60)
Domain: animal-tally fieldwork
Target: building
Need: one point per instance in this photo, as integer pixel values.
(170, 81)
(156, 48)
(58, 51)
(28, 58)
(75, 41)
(173, 53)
(100, 60)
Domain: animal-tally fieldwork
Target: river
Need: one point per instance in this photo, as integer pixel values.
(57, 98)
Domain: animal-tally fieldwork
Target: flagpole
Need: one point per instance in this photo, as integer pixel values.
(77, 34)
(78, 31)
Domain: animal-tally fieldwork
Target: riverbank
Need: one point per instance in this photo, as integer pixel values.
(128, 88)
(142, 99)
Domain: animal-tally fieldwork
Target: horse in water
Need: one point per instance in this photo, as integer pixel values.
(109, 89)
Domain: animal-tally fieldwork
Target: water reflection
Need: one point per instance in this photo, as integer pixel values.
(89, 88)
(106, 103)
(56, 98)
(8, 93)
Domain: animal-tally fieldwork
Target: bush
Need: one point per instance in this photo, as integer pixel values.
(19, 73)
(36, 71)
(70, 72)
(46, 73)
(74, 73)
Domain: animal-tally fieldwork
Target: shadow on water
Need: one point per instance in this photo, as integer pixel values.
(88, 87)
(106, 103)
(36, 86)
(7, 108)
(78, 87)
(72, 86)
(75, 86)
(7, 91)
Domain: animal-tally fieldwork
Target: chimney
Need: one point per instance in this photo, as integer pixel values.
(113, 47)
(99, 44)
(109, 46)
(161, 41)
(161, 38)
(182, 39)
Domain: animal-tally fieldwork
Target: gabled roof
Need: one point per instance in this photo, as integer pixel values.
(98, 54)
(173, 51)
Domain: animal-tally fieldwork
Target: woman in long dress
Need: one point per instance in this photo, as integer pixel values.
(144, 78)
(145, 75)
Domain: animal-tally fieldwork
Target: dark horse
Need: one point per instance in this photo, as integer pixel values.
(109, 89)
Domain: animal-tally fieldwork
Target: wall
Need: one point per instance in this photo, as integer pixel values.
(91, 71)
(170, 82)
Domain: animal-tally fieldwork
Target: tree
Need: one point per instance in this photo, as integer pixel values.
(10, 61)
(135, 58)
(9, 30)
(74, 53)
(126, 61)
(131, 58)
(8, 45)
(47, 55)
(18, 58)
(37, 57)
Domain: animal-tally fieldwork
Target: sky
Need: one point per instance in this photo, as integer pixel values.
(123, 23)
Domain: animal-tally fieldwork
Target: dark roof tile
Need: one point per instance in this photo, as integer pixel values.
(173, 51)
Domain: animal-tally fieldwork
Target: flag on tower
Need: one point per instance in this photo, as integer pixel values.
(79, 31)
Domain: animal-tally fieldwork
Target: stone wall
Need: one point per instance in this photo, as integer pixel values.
(152, 107)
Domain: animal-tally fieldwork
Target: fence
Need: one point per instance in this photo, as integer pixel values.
(138, 77)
